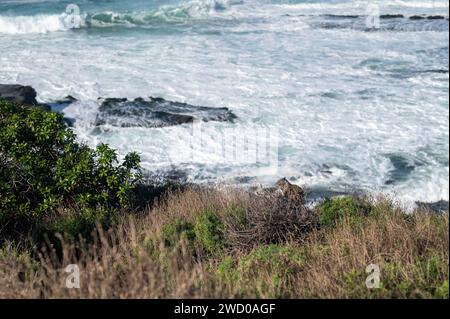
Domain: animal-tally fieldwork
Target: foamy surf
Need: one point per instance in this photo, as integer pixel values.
(191, 10)
(32, 24)
(356, 108)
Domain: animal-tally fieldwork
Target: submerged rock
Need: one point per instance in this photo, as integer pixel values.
(417, 17)
(342, 16)
(388, 22)
(156, 112)
(392, 16)
(59, 105)
(20, 94)
(422, 17)
(67, 100)
(435, 17)
(437, 207)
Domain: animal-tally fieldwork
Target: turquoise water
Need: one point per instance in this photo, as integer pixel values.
(354, 108)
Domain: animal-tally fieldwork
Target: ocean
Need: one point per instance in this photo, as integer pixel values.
(357, 92)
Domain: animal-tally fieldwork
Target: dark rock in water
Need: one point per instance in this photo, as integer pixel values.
(156, 112)
(67, 100)
(342, 16)
(177, 175)
(59, 105)
(438, 207)
(435, 18)
(388, 22)
(68, 121)
(383, 16)
(402, 168)
(439, 71)
(20, 94)
(423, 17)
(417, 17)
(244, 179)
(391, 16)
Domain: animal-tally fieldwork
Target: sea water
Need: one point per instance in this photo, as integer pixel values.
(355, 107)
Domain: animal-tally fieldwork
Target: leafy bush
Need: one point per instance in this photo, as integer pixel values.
(227, 270)
(44, 167)
(176, 231)
(73, 224)
(268, 269)
(336, 208)
(209, 231)
(277, 260)
(430, 280)
(442, 292)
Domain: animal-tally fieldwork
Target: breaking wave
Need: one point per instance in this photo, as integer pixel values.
(201, 10)
(193, 10)
(32, 24)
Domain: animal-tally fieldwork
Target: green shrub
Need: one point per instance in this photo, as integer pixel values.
(428, 272)
(226, 270)
(280, 260)
(432, 267)
(353, 282)
(18, 262)
(442, 291)
(270, 269)
(44, 167)
(335, 209)
(209, 231)
(427, 277)
(176, 231)
(81, 222)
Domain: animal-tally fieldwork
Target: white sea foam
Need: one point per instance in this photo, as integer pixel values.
(355, 109)
(194, 9)
(201, 10)
(31, 24)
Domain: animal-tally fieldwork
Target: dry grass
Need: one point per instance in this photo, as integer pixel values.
(260, 249)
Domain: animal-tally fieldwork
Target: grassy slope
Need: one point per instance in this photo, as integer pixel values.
(227, 244)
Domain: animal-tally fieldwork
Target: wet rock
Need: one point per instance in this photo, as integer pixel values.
(59, 105)
(342, 16)
(156, 112)
(416, 17)
(170, 174)
(391, 16)
(435, 18)
(20, 94)
(68, 121)
(423, 17)
(67, 100)
(437, 207)
(388, 22)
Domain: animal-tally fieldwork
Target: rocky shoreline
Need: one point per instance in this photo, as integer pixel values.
(151, 112)
(20, 94)
(158, 112)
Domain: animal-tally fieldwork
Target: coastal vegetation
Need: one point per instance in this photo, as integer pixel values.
(63, 203)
